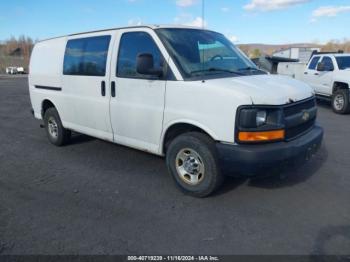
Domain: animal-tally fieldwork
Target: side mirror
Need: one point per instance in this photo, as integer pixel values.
(145, 65)
(320, 67)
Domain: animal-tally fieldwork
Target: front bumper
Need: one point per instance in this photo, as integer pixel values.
(251, 160)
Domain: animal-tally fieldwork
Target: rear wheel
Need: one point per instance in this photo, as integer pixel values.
(56, 133)
(191, 160)
(340, 101)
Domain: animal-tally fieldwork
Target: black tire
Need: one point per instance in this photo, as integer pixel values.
(62, 135)
(209, 178)
(345, 108)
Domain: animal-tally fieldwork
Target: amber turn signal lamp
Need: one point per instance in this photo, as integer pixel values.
(261, 136)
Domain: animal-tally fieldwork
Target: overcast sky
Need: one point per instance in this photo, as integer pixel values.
(243, 21)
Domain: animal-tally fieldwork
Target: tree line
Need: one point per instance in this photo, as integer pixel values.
(16, 52)
(335, 45)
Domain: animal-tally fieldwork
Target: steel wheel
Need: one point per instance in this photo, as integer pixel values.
(339, 102)
(52, 127)
(189, 166)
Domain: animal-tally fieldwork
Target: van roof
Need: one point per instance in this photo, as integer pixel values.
(130, 27)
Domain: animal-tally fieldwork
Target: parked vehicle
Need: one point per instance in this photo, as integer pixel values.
(11, 70)
(270, 63)
(329, 75)
(292, 69)
(184, 93)
(20, 70)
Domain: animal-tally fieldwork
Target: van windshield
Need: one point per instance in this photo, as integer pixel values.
(343, 62)
(205, 54)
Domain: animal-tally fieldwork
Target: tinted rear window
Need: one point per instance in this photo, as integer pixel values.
(86, 56)
(343, 62)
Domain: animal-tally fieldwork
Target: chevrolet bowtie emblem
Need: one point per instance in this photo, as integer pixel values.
(305, 116)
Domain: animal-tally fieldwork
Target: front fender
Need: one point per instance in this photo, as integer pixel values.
(199, 125)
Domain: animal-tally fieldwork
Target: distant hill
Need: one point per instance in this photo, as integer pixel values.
(269, 49)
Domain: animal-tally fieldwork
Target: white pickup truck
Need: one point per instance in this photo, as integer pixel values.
(329, 75)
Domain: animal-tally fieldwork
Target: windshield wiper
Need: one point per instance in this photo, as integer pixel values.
(250, 68)
(213, 69)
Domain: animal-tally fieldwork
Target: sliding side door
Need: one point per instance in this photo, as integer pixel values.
(85, 82)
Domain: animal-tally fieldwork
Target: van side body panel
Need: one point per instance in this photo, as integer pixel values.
(76, 98)
(45, 72)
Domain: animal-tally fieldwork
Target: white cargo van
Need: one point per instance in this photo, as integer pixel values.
(184, 93)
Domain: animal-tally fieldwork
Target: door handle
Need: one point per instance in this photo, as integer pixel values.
(113, 89)
(316, 74)
(103, 88)
(305, 73)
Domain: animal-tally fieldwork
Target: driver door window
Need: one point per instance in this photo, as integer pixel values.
(131, 45)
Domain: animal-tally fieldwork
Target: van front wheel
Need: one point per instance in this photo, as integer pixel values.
(191, 160)
(55, 131)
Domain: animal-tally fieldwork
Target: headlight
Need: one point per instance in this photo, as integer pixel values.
(259, 124)
(251, 118)
(261, 118)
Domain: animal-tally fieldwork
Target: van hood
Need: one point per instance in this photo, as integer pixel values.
(266, 89)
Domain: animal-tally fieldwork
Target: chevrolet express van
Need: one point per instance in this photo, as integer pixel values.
(184, 93)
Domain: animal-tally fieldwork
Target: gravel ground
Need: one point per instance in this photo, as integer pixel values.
(94, 197)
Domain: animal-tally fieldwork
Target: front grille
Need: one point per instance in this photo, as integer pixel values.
(296, 131)
(295, 122)
(298, 107)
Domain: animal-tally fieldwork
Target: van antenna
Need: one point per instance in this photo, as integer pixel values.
(203, 26)
(203, 13)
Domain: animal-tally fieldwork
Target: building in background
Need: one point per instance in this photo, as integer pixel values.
(302, 54)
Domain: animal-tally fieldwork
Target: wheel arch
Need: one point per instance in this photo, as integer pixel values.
(175, 129)
(46, 104)
(338, 85)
